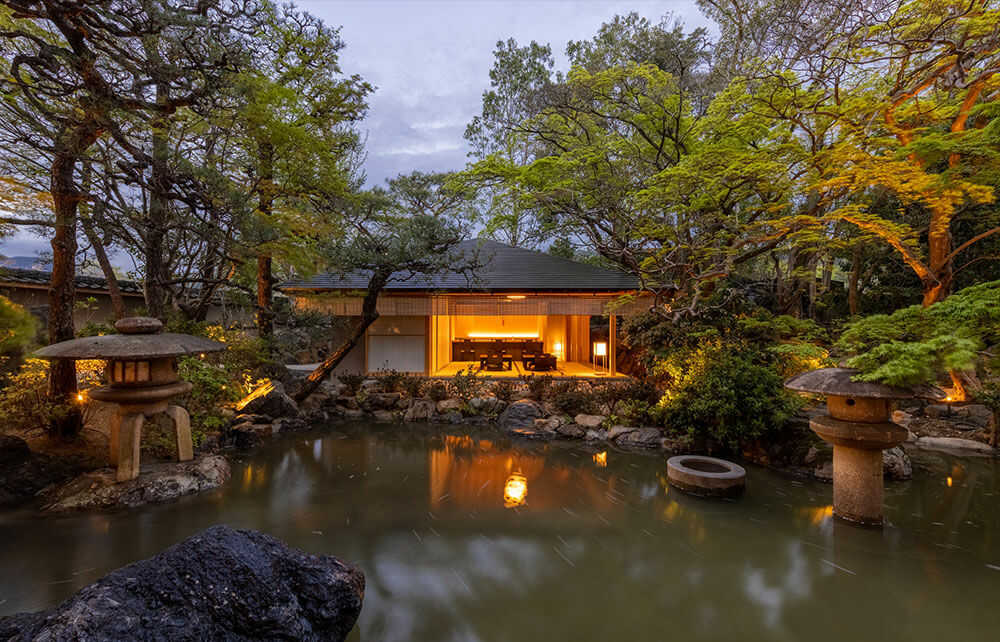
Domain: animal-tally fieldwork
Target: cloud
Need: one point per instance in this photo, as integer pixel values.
(431, 60)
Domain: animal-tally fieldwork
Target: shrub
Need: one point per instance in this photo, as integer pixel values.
(636, 412)
(915, 344)
(572, 401)
(24, 403)
(612, 394)
(412, 385)
(91, 329)
(389, 380)
(213, 387)
(504, 390)
(466, 384)
(729, 395)
(352, 381)
(437, 391)
(17, 327)
(538, 386)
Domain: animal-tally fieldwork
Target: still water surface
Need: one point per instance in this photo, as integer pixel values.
(467, 536)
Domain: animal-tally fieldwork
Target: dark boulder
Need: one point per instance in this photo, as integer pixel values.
(520, 414)
(221, 584)
(23, 473)
(13, 451)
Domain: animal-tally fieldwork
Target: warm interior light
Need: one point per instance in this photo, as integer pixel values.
(600, 349)
(515, 491)
(949, 482)
(601, 459)
(505, 335)
(515, 297)
(259, 392)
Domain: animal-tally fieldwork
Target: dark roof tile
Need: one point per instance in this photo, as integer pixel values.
(505, 268)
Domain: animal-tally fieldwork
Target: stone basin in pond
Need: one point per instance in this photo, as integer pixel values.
(600, 548)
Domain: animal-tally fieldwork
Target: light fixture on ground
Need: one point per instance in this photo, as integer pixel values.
(859, 427)
(601, 350)
(142, 378)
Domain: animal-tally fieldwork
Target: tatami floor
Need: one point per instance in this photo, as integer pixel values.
(563, 369)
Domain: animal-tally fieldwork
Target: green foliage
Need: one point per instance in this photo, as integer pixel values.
(389, 380)
(571, 400)
(24, 402)
(213, 388)
(504, 390)
(17, 327)
(636, 412)
(538, 385)
(728, 397)
(92, 329)
(412, 385)
(916, 344)
(438, 391)
(611, 395)
(352, 381)
(466, 384)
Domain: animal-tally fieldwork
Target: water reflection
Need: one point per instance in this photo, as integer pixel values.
(515, 491)
(597, 547)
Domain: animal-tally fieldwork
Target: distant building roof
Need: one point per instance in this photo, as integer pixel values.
(505, 268)
(16, 277)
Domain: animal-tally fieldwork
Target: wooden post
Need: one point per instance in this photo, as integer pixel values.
(612, 344)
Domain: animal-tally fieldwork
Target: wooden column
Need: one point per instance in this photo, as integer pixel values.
(612, 344)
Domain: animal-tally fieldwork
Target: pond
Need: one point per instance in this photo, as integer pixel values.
(466, 535)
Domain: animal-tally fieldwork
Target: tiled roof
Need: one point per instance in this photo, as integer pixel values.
(12, 277)
(505, 268)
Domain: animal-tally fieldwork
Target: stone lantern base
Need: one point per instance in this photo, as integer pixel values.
(857, 465)
(134, 405)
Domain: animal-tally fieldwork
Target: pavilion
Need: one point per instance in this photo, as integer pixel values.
(519, 304)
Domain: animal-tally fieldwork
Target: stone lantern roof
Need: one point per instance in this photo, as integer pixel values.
(140, 338)
(839, 382)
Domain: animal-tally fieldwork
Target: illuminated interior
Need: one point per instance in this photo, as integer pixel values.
(565, 336)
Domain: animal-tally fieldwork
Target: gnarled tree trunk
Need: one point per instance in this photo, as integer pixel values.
(369, 314)
(70, 146)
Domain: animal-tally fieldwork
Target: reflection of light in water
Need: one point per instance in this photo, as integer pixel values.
(601, 459)
(515, 491)
(817, 514)
(949, 481)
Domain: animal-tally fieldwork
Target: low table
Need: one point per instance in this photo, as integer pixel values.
(506, 359)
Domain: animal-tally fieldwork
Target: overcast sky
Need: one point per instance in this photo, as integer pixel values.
(430, 63)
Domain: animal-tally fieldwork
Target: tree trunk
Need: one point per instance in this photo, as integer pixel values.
(62, 287)
(852, 284)
(114, 292)
(265, 280)
(369, 314)
(265, 284)
(156, 220)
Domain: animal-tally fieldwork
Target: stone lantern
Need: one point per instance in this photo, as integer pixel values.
(141, 373)
(860, 428)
